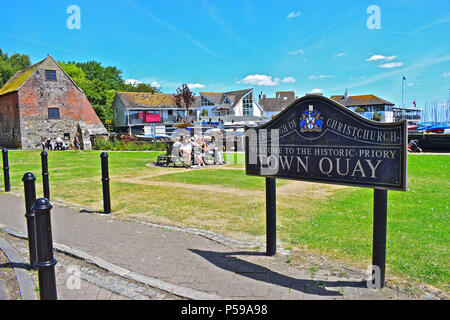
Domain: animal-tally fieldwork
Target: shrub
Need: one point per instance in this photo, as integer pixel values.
(116, 145)
(377, 116)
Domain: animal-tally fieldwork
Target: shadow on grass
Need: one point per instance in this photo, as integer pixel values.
(228, 262)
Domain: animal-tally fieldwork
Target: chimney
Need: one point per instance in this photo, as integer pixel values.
(262, 97)
(346, 94)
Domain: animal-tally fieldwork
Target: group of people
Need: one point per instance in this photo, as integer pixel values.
(196, 149)
(59, 144)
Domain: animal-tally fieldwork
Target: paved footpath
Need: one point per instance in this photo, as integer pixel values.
(185, 264)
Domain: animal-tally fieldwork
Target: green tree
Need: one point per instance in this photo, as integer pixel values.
(141, 87)
(94, 70)
(9, 65)
(377, 116)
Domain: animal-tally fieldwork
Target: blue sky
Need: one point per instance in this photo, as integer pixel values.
(305, 46)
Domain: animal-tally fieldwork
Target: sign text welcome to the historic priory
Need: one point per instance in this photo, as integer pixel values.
(317, 139)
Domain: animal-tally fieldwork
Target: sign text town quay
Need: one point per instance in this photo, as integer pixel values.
(317, 139)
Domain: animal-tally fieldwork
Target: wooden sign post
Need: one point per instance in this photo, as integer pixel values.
(317, 139)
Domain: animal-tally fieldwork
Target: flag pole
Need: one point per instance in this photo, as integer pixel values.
(403, 79)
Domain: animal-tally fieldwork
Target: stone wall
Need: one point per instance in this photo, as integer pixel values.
(36, 131)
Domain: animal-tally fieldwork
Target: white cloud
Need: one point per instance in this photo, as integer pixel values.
(319, 77)
(446, 74)
(288, 80)
(195, 85)
(390, 65)
(293, 15)
(155, 84)
(296, 52)
(390, 58)
(340, 54)
(377, 57)
(422, 63)
(260, 80)
(410, 84)
(316, 91)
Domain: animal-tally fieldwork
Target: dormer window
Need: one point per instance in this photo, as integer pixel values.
(50, 75)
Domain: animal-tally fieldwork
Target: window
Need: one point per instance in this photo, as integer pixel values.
(247, 105)
(66, 136)
(205, 102)
(53, 113)
(50, 75)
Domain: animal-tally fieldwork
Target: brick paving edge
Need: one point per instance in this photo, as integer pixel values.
(150, 281)
(26, 284)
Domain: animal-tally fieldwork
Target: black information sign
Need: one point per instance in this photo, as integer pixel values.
(317, 139)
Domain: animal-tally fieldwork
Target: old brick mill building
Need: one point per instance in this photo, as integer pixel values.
(43, 102)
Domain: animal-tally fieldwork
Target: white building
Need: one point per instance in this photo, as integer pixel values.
(369, 106)
(241, 103)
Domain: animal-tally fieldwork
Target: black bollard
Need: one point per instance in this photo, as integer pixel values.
(45, 182)
(45, 260)
(271, 215)
(379, 237)
(30, 197)
(105, 181)
(6, 170)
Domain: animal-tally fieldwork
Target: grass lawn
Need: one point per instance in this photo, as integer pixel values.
(232, 178)
(325, 219)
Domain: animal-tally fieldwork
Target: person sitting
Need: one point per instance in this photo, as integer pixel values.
(48, 144)
(198, 152)
(177, 143)
(186, 151)
(413, 146)
(59, 144)
(176, 150)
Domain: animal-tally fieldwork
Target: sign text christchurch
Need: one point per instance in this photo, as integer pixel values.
(316, 139)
